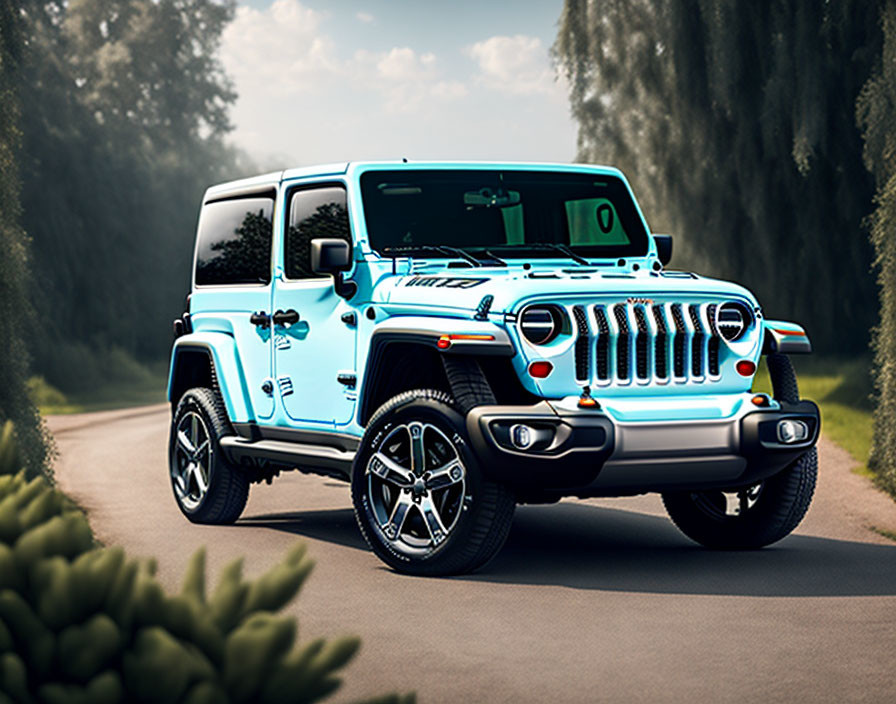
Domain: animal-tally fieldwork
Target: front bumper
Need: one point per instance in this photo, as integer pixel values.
(587, 453)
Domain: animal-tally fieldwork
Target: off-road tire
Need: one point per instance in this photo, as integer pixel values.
(481, 529)
(228, 485)
(782, 502)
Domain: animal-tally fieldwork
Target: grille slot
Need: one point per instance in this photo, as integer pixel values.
(623, 342)
(659, 353)
(697, 341)
(680, 342)
(603, 343)
(714, 341)
(641, 343)
(582, 343)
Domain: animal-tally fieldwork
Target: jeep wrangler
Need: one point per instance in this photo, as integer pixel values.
(456, 338)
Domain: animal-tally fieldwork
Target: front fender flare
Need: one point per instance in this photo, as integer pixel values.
(224, 357)
(784, 338)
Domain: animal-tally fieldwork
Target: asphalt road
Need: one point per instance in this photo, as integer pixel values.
(599, 600)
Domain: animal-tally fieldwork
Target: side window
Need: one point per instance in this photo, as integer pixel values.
(235, 242)
(313, 212)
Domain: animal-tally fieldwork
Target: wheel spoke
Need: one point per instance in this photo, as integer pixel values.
(201, 478)
(446, 475)
(433, 520)
(201, 449)
(185, 443)
(395, 524)
(384, 467)
(418, 458)
(194, 429)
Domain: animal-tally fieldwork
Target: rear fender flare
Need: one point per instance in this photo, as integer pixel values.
(228, 371)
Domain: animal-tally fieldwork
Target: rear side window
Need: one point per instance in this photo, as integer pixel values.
(314, 212)
(235, 242)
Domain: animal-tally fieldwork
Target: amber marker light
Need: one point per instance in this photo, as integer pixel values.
(444, 342)
(798, 333)
(540, 370)
(760, 400)
(586, 400)
(745, 367)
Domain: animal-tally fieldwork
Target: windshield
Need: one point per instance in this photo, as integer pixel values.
(501, 214)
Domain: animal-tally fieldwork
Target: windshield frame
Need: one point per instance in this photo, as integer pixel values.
(636, 229)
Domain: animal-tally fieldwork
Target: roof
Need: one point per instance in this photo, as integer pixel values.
(256, 183)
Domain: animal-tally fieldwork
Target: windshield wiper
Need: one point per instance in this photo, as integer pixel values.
(562, 248)
(412, 249)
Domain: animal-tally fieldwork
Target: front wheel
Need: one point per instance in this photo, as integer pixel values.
(748, 517)
(421, 500)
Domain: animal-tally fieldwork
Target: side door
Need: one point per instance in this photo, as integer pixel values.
(232, 283)
(314, 345)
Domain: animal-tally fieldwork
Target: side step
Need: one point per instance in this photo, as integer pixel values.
(316, 459)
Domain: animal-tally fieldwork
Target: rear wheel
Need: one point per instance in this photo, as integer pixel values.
(208, 489)
(749, 517)
(421, 500)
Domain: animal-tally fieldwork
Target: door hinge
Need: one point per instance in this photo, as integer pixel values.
(348, 379)
(285, 384)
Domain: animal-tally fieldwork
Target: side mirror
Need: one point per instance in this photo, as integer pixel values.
(329, 255)
(663, 248)
(333, 256)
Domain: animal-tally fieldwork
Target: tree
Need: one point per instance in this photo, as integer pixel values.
(125, 119)
(15, 312)
(735, 122)
(876, 113)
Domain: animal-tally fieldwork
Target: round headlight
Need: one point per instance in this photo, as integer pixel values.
(541, 324)
(733, 320)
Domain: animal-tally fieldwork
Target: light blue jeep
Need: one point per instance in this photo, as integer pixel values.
(457, 338)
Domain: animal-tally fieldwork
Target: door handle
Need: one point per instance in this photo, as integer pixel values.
(285, 318)
(261, 319)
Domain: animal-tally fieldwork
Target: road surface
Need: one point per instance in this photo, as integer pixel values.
(598, 600)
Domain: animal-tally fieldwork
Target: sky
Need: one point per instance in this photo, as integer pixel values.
(337, 81)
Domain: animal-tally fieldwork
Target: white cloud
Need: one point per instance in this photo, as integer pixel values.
(519, 64)
(403, 64)
(279, 48)
(306, 96)
(364, 17)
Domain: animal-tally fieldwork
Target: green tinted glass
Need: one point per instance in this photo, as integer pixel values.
(594, 221)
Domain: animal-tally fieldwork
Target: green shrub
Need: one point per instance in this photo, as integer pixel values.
(81, 623)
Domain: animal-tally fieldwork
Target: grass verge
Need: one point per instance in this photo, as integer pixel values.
(144, 391)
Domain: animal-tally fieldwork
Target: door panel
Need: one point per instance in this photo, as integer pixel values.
(311, 353)
(228, 310)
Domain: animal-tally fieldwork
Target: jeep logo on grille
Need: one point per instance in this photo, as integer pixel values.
(639, 301)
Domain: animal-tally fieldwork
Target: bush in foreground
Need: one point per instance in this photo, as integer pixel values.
(80, 623)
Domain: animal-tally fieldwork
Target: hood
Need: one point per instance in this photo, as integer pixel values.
(456, 290)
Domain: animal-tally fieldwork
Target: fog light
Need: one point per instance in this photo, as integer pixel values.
(522, 436)
(792, 431)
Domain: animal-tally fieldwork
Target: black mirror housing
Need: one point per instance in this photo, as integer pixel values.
(663, 248)
(330, 255)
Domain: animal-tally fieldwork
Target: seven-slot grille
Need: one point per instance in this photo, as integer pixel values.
(643, 341)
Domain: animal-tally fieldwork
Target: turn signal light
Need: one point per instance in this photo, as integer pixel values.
(540, 370)
(444, 342)
(745, 367)
(760, 400)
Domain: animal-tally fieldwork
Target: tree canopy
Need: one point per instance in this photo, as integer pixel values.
(124, 123)
(735, 122)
